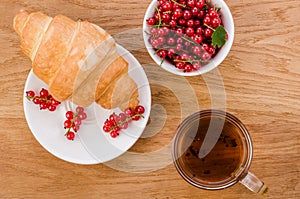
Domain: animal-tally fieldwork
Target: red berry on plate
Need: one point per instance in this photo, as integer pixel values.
(75, 128)
(122, 117)
(77, 121)
(54, 102)
(136, 117)
(140, 109)
(70, 135)
(108, 123)
(113, 118)
(35, 100)
(52, 108)
(67, 124)
(43, 105)
(69, 115)
(30, 94)
(129, 112)
(82, 115)
(124, 125)
(106, 129)
(113, 134)
(44, 93)
(79, 109)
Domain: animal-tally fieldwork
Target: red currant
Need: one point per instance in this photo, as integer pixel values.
(206, 20)
(190, 23)
(177, 13)
(44, 93)
(171, 52)
(69, 115)
(196, 66)
(187, 14)
(122, 117)
(197, 50)
(70, 135)
(82, 115)
(79, 109)
(52, 108)
(180, 65)
(43, 105)
(129, 112)
(151, 21)
(30, 94)
(190, 3)
(162, 53)
(208, 32)
(67, 124)
(124, 125)
(54, 102)
(35, 100)
(188, 67)
(106, 129)
(198, 38)
(75, 128)
(136, 117)
(200, 4)
(216, 22)
(139, 109)
(113, 134)
(77, 121)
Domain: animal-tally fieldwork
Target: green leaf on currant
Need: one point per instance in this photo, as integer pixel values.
(219, 37)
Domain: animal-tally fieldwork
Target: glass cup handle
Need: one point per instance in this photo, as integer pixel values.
(254, 184)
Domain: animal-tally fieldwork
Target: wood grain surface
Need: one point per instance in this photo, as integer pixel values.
(260, 76)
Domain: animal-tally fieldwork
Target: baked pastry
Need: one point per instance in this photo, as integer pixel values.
(77, 60)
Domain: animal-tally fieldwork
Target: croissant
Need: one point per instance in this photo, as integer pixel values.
(77, 60)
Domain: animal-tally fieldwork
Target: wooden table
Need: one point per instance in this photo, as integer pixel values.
(261, 79)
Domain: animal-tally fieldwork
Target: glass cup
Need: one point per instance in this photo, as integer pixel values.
(212, 150)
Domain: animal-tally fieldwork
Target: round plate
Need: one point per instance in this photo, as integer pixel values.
(91, 145)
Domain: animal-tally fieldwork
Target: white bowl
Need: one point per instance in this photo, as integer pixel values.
(228, 24)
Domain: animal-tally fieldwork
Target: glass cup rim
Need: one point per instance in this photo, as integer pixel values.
(232, 119)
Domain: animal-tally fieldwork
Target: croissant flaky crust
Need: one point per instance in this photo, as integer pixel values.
(77, 60)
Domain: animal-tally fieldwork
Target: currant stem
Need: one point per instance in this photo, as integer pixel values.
(128, 119)
(159, 17)
(190, 61)
(178, 4)
(210, 27)
(72, 122)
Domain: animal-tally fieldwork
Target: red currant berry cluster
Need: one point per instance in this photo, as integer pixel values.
(44, 100)
(74, 121)
(181, 32)
(115, 123)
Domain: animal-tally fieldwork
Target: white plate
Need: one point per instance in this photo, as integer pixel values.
(91, 145)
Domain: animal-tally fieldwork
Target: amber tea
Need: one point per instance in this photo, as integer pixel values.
(224, 156)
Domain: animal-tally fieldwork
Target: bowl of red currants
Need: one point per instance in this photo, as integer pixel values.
(188, 37)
